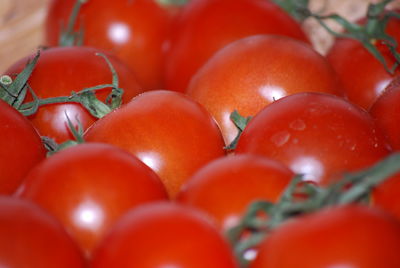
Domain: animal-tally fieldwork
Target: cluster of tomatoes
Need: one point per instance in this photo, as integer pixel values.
(162, 179)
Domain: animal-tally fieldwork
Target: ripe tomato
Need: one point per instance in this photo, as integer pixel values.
(386, 196)
(386, 111)
(32, 238)
(225, 187)
(363, 76)
(167, 130)
(89, 186)
(20, 148)
(252, 72)
(60, 71)
(164, 235)
(205, 26)
(133, 30)
(345, 236)
(315, 134)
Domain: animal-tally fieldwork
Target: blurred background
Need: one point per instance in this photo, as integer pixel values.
(21, 25)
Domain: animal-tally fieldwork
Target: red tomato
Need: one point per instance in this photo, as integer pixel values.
(32, 238)
(225, 187)
(346, 236)
(20, 148)
(252, 72)
(315, 134)
(89, 186)
(386, 111)
(168, 131)
(386, 196)
(164, 235)
(205, 26)
(60, 71)
(133, 30)
(363, 76)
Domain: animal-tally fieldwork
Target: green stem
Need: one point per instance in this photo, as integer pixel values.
(70, 37)
(14, 92)
(374, 30)
(298, 9)
(353, 188)
(241, 123)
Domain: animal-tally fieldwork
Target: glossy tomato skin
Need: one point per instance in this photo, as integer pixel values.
(164, 235)
(205, 26)
(89, 186)
(32, 238)
(63, 70)
(133, 30)
(346, 236)
(167, 130)
(362, 75)
(252, 72)
(20, 148)
(315, 134)
(386, 111)
(227, 186)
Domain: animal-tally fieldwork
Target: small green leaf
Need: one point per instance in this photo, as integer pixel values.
(369, 34)
(68, 36)
(241, 123)
(298, 9)
(11, 92)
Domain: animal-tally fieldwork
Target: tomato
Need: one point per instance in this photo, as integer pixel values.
(164, 235)
(225, 187)
(167, 130)
(62, 70)
(252, 72)
(344, 236)
(386, 111)
(20, 148)
(363, 76)
(205, 26)
(315, 134)
(136, 31)
(386, 196)
(32, 238)
(89, 186)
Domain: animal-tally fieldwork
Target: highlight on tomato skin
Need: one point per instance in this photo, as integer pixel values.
(88, 187)
(136, 31)
(342, 236)
(168, 131)
(30, 237)
(318, 135)
(386, 111)
(205, 26)
(225, 187)
(252, 72)
(164, 234)
(21, 148)
(63, 70)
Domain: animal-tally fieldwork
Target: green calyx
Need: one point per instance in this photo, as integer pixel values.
(240, 123)
(368, 35)
(353, 188)
(296, 8)
(172, 2)
(53, 147)
(15, 92)
(69, 36)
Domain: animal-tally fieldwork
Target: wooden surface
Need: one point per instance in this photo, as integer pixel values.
(21, 25)
(21, 32)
